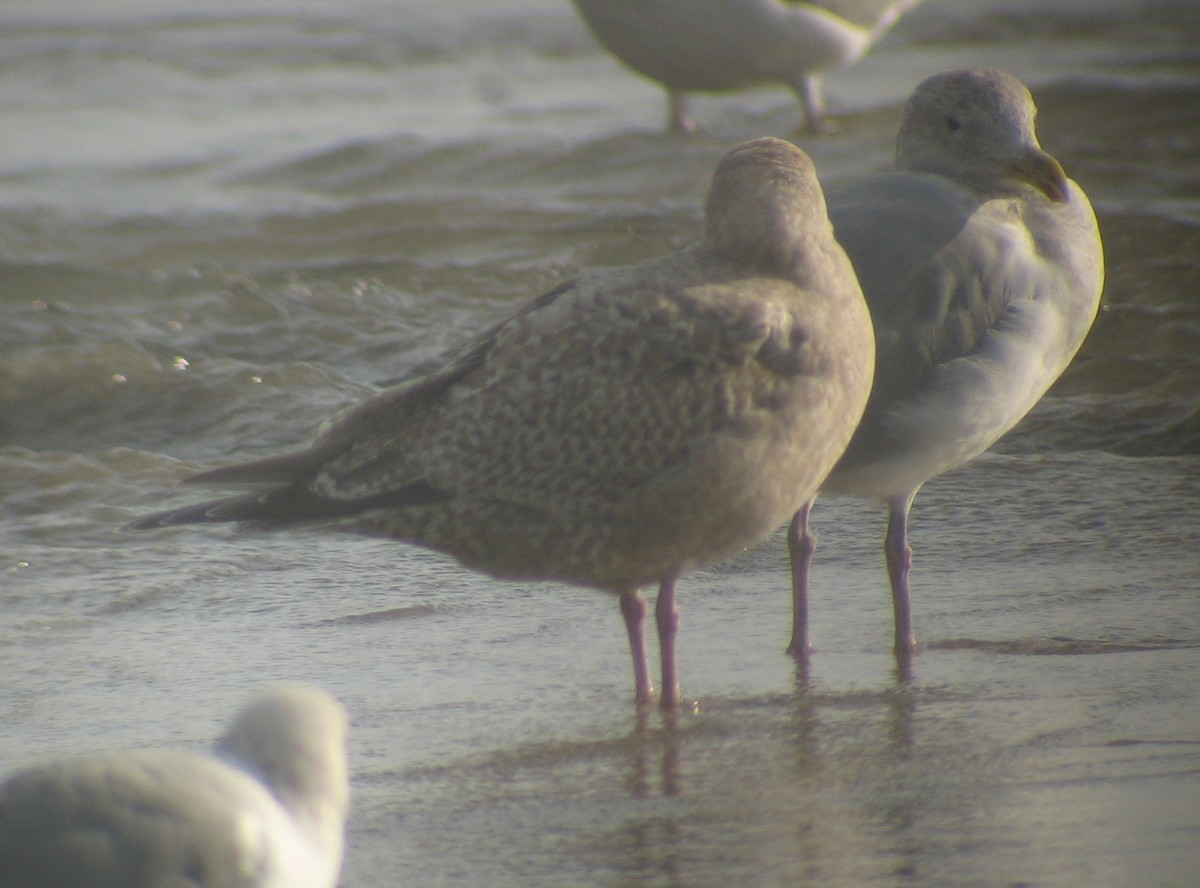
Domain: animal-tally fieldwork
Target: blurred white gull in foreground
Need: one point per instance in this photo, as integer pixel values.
(266, 810)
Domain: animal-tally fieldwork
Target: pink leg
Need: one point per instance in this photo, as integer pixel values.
(802, 543)
(633, 609)
(899, 560)
(667, 617)
(677, 113)
(808, 88)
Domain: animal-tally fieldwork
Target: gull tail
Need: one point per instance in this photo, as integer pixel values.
(285, 497)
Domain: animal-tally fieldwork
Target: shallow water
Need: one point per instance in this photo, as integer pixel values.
(221, 221)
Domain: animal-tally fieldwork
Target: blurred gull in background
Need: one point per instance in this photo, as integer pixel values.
(726, 45)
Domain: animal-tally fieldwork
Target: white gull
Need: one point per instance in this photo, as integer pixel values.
(982, 266)
(627, 426)
(725, 45)
(266, 810)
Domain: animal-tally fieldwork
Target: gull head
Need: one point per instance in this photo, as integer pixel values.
(764, 205)
(293, 739)
(976, 126)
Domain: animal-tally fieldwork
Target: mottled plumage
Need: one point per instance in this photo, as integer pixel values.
(625, 427)
(725, 45)
(982, 266)
(267, 810)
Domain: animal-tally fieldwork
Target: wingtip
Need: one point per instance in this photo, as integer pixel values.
(148, 522)
(151, 522)
(198, 513)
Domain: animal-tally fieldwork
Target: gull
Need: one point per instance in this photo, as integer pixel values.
(982, 266)
(725, 45)
(266, 810)
(623, 428)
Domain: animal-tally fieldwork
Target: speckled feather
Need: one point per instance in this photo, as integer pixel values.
(629, 424)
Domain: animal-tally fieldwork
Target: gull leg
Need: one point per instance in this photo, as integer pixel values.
(666, 615)
(899, 560)
(633, 609)
(808, 89)
(677, 113)
(802, 543)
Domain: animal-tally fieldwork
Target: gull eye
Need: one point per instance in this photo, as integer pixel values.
(952, 123)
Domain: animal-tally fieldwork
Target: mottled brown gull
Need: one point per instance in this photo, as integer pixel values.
(982, 266)
(266, 810)
(725, 45)
(623, 428)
